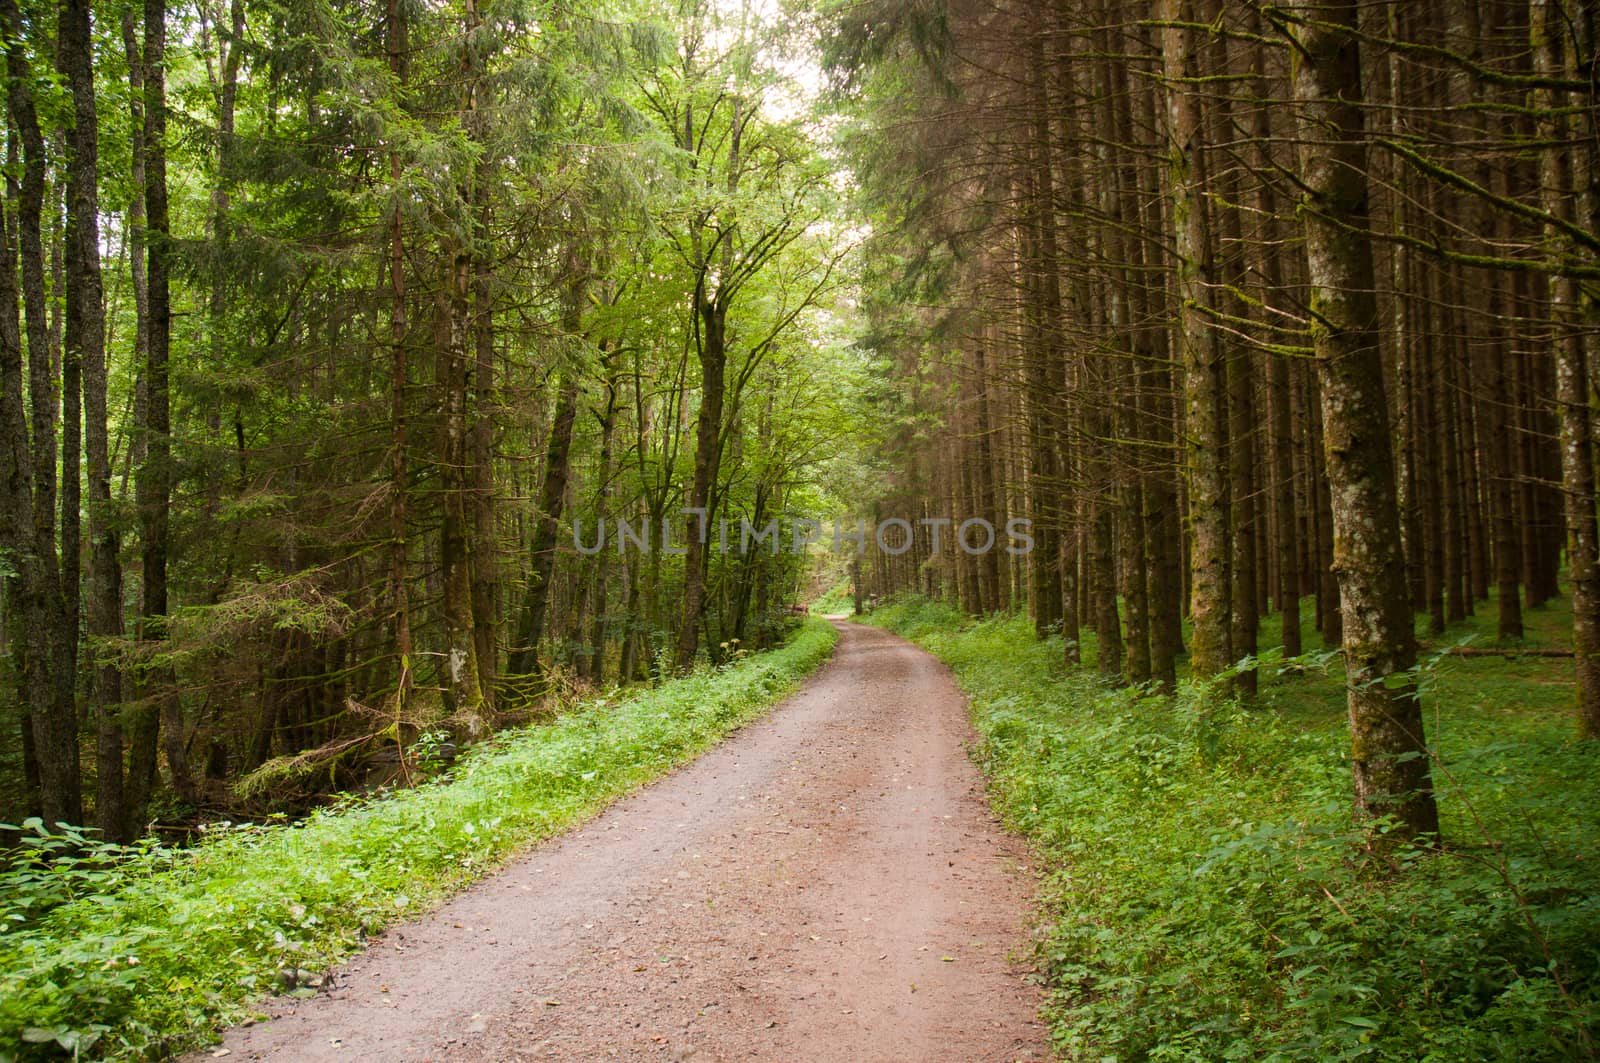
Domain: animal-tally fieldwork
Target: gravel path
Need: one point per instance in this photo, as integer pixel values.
(827, 885)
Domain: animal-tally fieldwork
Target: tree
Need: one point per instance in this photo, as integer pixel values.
(27, 497)
(1554, 57)
(1389, 754)
(1204, 365)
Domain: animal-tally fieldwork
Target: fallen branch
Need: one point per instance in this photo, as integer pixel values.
(1473, 651)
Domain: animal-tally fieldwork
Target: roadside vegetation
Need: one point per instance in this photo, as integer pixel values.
(1208, 895)
(110, 952)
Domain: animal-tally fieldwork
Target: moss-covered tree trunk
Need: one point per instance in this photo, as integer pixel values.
(1562, 168)
(399, 584)
(1204, 377)
(49, 717)
(1389, 756)
(1279, 501)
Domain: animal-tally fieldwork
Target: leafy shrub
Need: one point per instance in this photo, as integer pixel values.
(1207, 894)
(113, 953)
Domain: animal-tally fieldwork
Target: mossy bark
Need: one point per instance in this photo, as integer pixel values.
(1389, 755)
(1204, 376)
(1573, 313)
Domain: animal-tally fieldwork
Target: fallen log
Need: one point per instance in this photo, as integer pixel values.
(1474, 651)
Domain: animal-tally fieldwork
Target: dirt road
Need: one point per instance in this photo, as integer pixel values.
(828, 885)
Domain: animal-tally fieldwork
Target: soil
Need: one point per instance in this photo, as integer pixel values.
(827, 885)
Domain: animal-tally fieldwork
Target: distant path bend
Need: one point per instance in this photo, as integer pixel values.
(827, 885)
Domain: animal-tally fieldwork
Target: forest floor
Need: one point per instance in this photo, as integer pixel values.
(828, 884)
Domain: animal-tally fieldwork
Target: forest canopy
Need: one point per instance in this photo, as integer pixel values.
(328, 321)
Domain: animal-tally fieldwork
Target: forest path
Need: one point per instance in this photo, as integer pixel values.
(827, 885)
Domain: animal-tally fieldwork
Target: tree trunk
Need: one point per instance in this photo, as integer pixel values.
(399, 584)
(47, 644)
(552, 496)
(485, 522)
(1453, 526)
(143, 719)
(84, 380)
(1205, 387)
(988, 505)
(711, 315)
(1546, 22)
(463, 691)
(134, 792)
(601, 627)
(485, 545)
(33, 594)
(1043, 362)
(1165, 561)
(161, 707)
(524, 658)
(1502, 512)
(1246, 619)
(1389, 754)
(1330, 614)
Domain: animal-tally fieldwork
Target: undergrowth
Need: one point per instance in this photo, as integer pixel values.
(109, 953)
(1207, 899)
(839, 599)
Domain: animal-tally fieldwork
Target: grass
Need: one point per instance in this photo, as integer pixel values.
(152, 951)
(1208, 898)
(838, 599)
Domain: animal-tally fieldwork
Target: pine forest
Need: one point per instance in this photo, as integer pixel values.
(1136, 461)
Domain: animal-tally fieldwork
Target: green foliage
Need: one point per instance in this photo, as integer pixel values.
(1207, 891)
(433, 749)
(131, 953)
(839, 599)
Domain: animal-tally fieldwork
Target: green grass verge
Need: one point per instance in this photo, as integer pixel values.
(1206, 895)
(154, 952)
